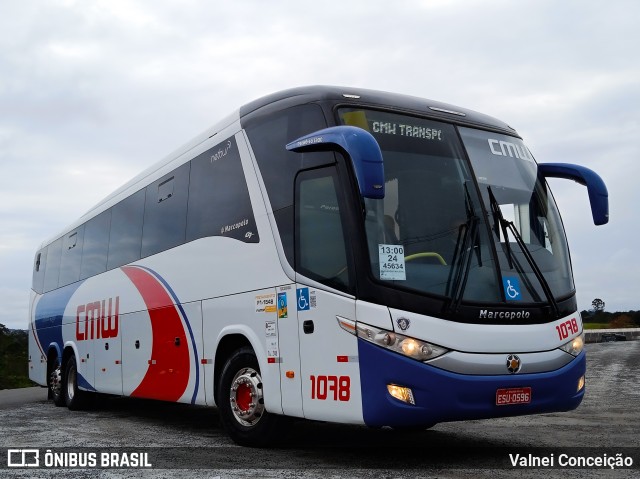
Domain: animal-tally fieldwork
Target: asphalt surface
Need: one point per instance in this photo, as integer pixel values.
(187, 441)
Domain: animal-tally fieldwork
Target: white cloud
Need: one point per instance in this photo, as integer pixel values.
(93, 92)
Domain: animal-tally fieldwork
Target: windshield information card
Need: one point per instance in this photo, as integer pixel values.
(391, 259)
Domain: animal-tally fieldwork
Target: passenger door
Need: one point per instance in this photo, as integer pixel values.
(328, 354)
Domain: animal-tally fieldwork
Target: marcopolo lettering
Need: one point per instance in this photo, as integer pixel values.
(486, 314)
(228, 228)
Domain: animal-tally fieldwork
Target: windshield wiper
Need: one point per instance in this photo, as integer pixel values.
(506, 226)
(467, 240)
(499, 221)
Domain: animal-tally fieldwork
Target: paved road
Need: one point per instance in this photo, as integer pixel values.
(607, 420)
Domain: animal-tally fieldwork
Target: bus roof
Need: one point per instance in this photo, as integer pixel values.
(372, 98)
(332, 95)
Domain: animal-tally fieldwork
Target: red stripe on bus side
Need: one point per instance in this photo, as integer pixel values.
(169, 376)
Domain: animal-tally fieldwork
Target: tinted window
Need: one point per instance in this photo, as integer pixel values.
(126, 230)
(278, 167)
(71, 257)
(52, 271)
(219, 203)
(165, 212)
(39, 267)
(268, 136)
(96, 245)
(321, 248)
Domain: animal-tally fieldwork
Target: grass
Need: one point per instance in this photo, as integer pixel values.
(596, 326)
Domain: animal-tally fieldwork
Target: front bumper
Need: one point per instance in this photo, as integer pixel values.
(442, 396)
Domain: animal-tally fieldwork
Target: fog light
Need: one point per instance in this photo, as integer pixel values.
(580, 383)
(401, 393)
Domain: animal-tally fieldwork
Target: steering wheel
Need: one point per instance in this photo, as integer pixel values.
(426, 254)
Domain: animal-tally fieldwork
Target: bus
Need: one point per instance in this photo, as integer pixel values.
(326, 253)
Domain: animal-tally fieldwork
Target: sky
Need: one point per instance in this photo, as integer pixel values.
(92, 92)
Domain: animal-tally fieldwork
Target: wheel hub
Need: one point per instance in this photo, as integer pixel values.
(247, 401)
(55, 383)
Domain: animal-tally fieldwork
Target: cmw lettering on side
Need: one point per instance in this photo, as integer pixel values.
(95, 321)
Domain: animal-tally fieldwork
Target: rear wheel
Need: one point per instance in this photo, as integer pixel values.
(55, 384)
(241, 403)
(75, 398)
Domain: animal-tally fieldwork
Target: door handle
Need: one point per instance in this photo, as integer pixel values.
(307, 326)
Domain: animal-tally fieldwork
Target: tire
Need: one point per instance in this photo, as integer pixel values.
(54, 382)
(241, 404)
(75, 398)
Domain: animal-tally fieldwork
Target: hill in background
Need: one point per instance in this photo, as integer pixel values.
(14, 358)
(607, 320)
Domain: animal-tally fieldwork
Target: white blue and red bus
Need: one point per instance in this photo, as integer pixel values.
(324, 253)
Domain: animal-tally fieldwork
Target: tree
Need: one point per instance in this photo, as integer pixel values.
(622, 321)
(598, 305)
(14, 363)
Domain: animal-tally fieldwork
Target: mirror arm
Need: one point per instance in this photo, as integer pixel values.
(598, 194)
(361, 148)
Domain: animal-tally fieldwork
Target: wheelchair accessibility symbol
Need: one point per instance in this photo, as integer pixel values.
(302, 295)
(511, 288)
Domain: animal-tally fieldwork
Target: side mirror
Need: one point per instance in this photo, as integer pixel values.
(361, 148)
(598, 194)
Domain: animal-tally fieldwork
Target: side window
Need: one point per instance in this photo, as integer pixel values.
(219, 203)
(321, 252)
(71, 257)
(125, 238)
(165, 212)
(39, 267)
(268, 136)
(52, 270)
(96, 245)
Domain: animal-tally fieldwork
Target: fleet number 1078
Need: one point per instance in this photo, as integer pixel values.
(567, 328)
(336, 388)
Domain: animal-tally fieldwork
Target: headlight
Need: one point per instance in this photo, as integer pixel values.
(411, 347)
(575, 346)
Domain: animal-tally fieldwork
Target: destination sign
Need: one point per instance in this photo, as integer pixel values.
(403, 129)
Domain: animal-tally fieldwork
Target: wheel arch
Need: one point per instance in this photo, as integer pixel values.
(54, 355)
(227, 344)
(53, 352)
(70, 349)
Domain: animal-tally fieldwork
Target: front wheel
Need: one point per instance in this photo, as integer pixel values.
(241, 403)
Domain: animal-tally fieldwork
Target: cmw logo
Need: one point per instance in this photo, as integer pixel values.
(506, 148)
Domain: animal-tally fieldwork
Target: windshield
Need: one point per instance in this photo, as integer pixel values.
(510, 187)
(428, 232)
(437, 233)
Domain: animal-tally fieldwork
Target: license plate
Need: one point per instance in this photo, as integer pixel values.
(511, 396)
